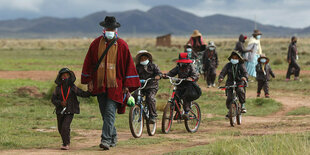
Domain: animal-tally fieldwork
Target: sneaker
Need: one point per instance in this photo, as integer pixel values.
(287, 80)
(209, 86)
(213, 85)
(243, 110)
(267, 96)
(64, 147)
(112, 145)
(105, 146)
(296, 78)
(258, 95)
(185, 116)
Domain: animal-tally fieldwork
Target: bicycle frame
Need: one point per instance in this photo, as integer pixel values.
(141, 100)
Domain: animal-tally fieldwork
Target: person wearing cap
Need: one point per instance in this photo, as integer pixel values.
(185, 70)
(66, 103)
(196, 41)
(147, 69)
(292, 57)
(236, 74)
(111, 78)
(255, 49)
(263, 72)
(210, 63)
(240, 45)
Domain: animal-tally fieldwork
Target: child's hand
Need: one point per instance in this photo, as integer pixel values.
(157, 77)
(63, 103)
(190, 79)
(243, 79)
(90, 86)
(125, 90)
(220, 80)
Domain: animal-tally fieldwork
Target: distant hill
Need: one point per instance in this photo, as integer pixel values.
(156, 21)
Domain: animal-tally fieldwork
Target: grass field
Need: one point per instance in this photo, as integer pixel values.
(28, 121)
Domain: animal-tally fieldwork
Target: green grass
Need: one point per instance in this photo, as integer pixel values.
(279, 144)
(300, 111)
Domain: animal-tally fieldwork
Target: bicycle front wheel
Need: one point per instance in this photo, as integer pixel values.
(136, 121)
(167, 118)
(192, 124)
(233, 114)
(239, 116)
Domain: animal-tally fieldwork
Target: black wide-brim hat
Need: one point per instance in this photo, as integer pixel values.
(110, 22)
(237, 54)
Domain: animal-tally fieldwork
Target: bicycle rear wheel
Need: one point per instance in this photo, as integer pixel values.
(167, 118)
(151, 128)
(233, 114)
(192, 124)
(136, 121)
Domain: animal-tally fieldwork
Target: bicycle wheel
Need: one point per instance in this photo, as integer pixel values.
(136, 121)
(233, 114)
(239, 116)
(167, 118)
(192, 124)
(151, 128)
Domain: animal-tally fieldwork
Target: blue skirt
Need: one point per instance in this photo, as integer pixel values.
(251, 66)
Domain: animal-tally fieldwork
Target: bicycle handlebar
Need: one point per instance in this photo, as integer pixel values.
(173, 80)
(145, 82)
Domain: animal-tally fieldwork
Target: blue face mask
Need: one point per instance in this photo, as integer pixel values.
(211, 48)
(189, 50)
(144, 63)
(258, 37)
(109, 34)
(263, 60)
(234, 61)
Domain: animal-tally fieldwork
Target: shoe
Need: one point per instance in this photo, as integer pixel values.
(105, 146)
(287, 80)
(267, 96)
(213, 85)
(296, 78)
(243, 110)
(209, 86)
(258, 95)
(185, 116)
(112, 145)
(64, 147)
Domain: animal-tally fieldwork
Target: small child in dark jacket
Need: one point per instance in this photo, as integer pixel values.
(263, 72)
(185, 70)
(236, 74)
(66, 104)
(147, 69)
(210, 63)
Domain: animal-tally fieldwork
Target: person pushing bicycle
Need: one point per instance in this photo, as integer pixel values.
(236, 74)
(184, 70)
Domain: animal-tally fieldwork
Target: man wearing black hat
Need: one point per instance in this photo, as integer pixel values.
(110, 73)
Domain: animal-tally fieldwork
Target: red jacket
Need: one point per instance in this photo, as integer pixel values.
(126, 73)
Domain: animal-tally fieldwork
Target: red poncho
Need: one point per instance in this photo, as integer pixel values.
(126, 74)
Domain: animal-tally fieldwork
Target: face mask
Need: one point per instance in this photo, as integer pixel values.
(258, 37)
(144, 63)
(109, 34)
(188, 50)
(234, 61)
(263, 60)
(211, 48)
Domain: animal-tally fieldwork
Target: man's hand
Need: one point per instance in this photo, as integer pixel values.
(190, 79)
(243, 79)
(220, 80)
(90, 86)
(157, 77)
(289, 61)
(63, 103)
(125, 90)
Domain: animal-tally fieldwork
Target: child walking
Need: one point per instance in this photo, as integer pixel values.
(210, 63)
(147, 69)
(263, 71)
(66, 104)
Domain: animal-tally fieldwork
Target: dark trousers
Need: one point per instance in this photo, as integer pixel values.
(150, 99)
(296, 67)
(263, 85)
(210, 75)
(186, 103)
(63, 122)
(240, 94)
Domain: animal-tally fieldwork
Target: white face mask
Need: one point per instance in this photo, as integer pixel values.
(234, 61)
(189, 50)
(258, 37)
(263, 60)
(211, 48)
(109, 34)
(144, 63)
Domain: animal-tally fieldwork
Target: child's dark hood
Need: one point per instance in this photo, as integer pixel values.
(241, 38)
(72, 78)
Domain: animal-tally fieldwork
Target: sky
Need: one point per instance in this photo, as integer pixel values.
(289, 13)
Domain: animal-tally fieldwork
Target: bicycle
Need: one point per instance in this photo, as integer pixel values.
(140, 112)
(235, 111)
(174, 106)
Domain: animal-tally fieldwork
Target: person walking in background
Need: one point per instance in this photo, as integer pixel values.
(240, 47)
(255, 49)
(263, 72)
(210, 63)
(292, 57)
(197, 43)
(109, 78)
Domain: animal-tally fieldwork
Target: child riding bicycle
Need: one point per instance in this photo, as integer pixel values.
(184, 70)
(147, 69)
(236, 74)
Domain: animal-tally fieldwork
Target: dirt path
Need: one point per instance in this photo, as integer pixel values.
(86, 142)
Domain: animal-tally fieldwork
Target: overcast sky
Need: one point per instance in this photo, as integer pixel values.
(291, 13)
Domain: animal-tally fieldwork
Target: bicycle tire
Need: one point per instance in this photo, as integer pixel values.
(135, 120)
(167, 118)
(194, 114)
(233, 114)
(151, 128)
